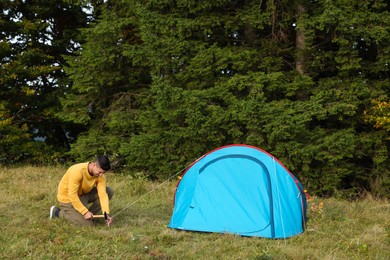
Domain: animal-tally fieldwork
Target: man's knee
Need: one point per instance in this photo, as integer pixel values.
(88, 223)
(69, 213)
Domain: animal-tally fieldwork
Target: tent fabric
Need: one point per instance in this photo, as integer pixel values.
(239, 189)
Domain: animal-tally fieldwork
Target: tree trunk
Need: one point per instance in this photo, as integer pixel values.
(300, 40)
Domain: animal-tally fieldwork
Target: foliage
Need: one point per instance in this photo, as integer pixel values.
(379, 115)
(141, 212)
(109, 83)
(218, 73)
(35, 35)
(156, 84)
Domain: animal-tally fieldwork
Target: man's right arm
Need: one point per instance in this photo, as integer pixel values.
(74, 184)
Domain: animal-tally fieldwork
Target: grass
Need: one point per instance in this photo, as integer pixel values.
(337, 229)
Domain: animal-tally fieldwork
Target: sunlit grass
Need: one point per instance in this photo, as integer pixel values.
(336, 229)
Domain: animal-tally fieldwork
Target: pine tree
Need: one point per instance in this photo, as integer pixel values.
(160, 83)
(35, 35)
(109, 82)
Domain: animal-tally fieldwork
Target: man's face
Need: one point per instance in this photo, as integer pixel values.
(96, 170)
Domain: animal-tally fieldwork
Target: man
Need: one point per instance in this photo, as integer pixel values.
(82, 184)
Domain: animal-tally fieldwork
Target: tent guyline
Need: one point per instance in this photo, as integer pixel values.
(143, 196)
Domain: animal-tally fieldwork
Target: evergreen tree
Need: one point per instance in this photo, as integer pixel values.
(159, 83)
(347, 58)
(35, 35)
(110, 81)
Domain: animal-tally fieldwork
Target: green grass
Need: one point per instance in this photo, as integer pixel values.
(336, 229)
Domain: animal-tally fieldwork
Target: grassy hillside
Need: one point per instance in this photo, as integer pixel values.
(336, 229)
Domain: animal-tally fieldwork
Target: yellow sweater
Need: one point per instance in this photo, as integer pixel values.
(76, 182)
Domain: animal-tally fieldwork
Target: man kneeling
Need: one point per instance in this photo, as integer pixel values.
(83, 184)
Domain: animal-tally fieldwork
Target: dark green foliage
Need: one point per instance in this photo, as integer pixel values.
(157, 84)
(35, 35)
(223, 72)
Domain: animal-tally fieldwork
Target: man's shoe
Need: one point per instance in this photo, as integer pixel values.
(54, 212)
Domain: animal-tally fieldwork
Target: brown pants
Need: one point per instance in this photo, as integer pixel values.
(68, 212)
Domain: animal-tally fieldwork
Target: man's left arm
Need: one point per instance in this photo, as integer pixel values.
(102, 193)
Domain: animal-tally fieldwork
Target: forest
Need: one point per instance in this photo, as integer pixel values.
(155, 84)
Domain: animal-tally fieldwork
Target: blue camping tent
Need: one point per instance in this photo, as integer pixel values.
(239, 189)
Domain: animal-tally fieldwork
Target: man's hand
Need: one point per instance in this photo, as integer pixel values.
(108, 220)
(88, 215)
